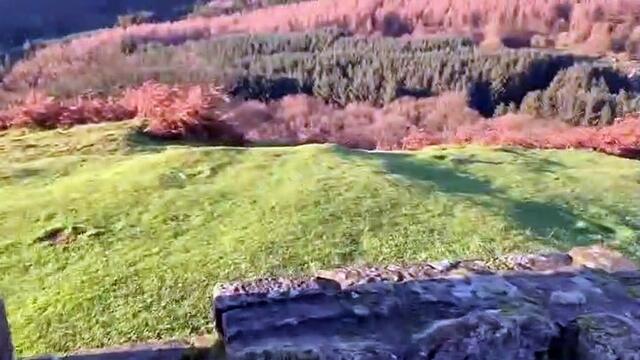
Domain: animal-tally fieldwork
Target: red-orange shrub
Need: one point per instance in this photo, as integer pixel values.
(178, 111)
(203, 113)
(171, 112)
(46, 112)
(621, 138)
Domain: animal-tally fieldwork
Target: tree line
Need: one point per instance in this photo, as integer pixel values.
(340, 68)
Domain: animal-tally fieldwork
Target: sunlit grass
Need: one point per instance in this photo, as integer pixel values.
(150, 229)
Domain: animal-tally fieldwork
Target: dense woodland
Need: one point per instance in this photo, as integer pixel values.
(254, 60)
(342, 69)
(593, 27)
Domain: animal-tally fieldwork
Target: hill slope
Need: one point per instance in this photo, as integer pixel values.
(107, 237)
(41, 19)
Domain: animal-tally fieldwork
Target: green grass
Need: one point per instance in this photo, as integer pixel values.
(155, 227)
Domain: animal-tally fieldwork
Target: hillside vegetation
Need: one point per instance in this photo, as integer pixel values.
(594, 26)
(338, 68)
(108, 237)
(339, 61)
(29, 20)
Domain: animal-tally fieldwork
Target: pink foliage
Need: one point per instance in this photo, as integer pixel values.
(177, 111)
(46, 112)
(570, 22)
(621, 138)
(303, 119)
(172, 112)
(204, 113)
(412, 124)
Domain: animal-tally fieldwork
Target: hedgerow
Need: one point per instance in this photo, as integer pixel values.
(203, 113)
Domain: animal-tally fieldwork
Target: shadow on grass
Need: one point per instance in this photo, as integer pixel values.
(535, 163)
(554, 224)
(447, 179)
(545, 219)
(137, 141)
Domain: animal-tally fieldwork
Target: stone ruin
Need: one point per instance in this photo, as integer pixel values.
(6, 347)
(584, 305)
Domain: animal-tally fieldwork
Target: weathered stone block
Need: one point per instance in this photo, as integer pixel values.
(434, 312)
(6, 347)
(606, 337)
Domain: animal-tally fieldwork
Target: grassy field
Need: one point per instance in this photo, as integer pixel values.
(106, 237)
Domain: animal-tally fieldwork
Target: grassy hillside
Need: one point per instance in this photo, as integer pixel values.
(108, 238)
(37, 19)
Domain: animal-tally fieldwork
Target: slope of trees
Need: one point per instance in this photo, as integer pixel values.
(203, 113)
(28, 20)
(383, 75)
(582, 25)
(584, 95)
(340, 68)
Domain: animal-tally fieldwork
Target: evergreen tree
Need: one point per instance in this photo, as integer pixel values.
(339, 68)
(501, 109)
(606, 115)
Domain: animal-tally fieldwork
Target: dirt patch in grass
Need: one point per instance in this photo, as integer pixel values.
(65, 235)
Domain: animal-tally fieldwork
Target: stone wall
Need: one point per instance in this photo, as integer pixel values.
(545, 306)
(6, 347)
